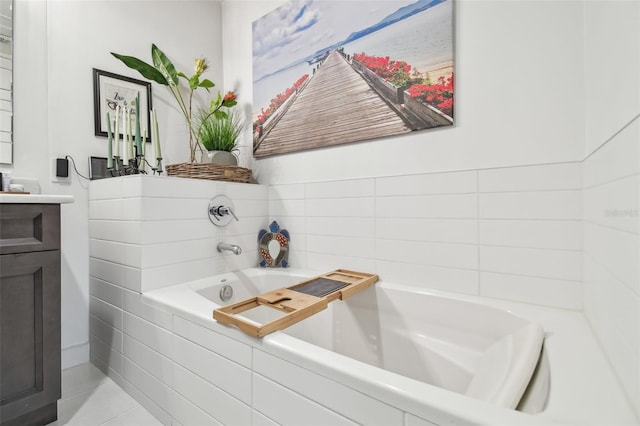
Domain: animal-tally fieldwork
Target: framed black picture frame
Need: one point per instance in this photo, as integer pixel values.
(112, 90)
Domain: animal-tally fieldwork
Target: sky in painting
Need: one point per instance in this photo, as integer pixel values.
(301, 27)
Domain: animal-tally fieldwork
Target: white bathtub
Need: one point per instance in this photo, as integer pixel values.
(475, 350)
(419, 351)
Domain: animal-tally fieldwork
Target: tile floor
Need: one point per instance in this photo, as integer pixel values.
(89, 398)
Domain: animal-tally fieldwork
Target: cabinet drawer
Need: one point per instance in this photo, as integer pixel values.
(29, 227)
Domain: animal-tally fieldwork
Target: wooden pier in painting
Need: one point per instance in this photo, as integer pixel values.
(336, 106)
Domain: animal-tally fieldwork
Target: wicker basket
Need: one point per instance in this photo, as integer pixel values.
(210, 171)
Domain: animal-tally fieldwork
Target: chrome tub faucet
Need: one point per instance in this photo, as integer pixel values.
(229, 247)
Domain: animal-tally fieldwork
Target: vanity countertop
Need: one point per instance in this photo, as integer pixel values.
(35, 199)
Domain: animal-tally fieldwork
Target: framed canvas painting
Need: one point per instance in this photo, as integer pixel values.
(337, 72)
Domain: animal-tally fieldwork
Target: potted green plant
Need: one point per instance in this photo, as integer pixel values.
(218, 134)
(164, 72)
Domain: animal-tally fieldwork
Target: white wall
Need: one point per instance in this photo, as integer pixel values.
(57, 45)
(519, 96)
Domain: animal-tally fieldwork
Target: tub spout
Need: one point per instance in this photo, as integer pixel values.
(230, 247)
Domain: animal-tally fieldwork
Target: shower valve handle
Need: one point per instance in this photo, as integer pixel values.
(219, 211)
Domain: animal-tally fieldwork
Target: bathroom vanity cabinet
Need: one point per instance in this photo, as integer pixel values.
(29, 313)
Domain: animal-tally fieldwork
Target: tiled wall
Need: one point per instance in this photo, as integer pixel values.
(150, 232)
(612, 253)
(512, 233)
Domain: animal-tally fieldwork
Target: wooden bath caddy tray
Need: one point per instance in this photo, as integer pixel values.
(296, 302)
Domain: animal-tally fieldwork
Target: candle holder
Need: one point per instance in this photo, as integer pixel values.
(158, 167)
(134, 166)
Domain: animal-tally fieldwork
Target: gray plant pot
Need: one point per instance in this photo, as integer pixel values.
(220, 157)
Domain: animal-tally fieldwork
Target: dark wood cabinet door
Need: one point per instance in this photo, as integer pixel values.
(29, 334)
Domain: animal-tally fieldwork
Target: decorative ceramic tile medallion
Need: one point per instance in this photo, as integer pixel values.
(274, 246)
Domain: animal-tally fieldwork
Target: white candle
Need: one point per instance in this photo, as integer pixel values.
(125, 140)
(157, 139)
(130, 135)
(117, 135)
(138, 133)
(109, 143)
(144, 142)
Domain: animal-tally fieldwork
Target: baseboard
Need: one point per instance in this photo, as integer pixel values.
(75, 355)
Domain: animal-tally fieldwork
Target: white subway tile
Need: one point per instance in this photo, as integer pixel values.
(450, 206)
(165, 208)
(177, 273)
(104, 189)
(132, 278)
(617, 251)
(611, 304)
(158, 412)
(249, 208)
(341, 246)
(615, 204)
(157, 391)
(248, 259)
(247, 225)
(288, 408)
(149, 360)
(157, 338)
(433, 277)
(463, 256)
(132, 209)
(341, 226)
(296, 226)
(544, 263)
(615, 159)
(411, 420)
(341, 189)
(259, 419)
(108, 313)
(109, 293)
(124, 254)
(614, 313)
(286, 208)
(243, 191)
(163, 231)
(342, 399)
(105, 210)
(116, 230)
(432, 183)
(164, 186)
(298, 253)
(163, 254)
(566, 234)
(106, 271)
(187, 413)
(326, 262)
(293, 191)
(110, 357)
(541, 291)
(340, 207)
(106, 333)
(546, 177)
(531, 205)
(433, 230)
(213, 341)
(133, 304)
(212, 400)
(224, 373)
